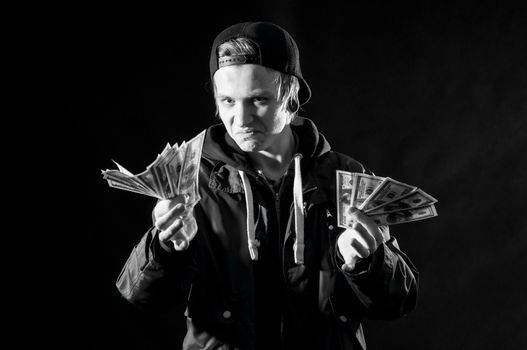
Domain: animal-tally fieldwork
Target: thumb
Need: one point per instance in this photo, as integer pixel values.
(349, 264)
(180, 244)
(346, 250)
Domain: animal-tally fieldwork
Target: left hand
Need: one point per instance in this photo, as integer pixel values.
(361, 240)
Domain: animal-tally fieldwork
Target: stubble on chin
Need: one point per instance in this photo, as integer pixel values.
(248, 146)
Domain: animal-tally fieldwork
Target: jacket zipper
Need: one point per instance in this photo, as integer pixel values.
(281, 246)
(276, 196)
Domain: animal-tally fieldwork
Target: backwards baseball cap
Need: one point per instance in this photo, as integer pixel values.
(277, 50)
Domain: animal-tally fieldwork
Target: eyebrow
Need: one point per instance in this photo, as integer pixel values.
(254, 93)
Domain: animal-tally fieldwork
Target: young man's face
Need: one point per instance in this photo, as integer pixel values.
(246, 96)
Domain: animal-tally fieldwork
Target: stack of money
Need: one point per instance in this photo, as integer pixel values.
(174, 172)
(384, 199)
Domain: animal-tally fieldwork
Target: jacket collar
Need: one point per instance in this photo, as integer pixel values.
(316, 189)
(219, 146)
(228, 158)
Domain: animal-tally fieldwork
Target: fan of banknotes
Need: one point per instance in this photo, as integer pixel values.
(173, 172)
(384, 199)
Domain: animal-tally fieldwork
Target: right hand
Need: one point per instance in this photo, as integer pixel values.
(169, 217)
(361, 240)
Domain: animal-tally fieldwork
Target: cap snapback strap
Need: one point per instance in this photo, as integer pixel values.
(238, 59)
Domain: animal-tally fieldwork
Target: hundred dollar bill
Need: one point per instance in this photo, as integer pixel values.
(123, 181)
(188, 180)
(122, 169)
(345, 184)
(172, 167)
(116, 184)
(403, 216)
(353, 189)
(387, 191)
(164, 178)
(161, 175)
(365, 185)
(417, 198)
(150, 182)
(149, 177)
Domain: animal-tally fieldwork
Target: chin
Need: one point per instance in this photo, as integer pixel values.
(249, 144)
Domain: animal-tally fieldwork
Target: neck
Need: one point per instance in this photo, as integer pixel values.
(274, 161)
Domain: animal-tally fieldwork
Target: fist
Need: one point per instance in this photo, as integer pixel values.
(169, 217)
(361, 240)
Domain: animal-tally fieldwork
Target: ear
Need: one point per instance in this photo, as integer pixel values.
(293, 106)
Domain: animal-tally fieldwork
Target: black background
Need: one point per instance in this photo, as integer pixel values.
(431, 95)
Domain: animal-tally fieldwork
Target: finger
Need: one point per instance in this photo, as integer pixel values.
(352, 247)
(164, 206)
(349, 257)
(171, 232)
(361, 252)
(368, 223)
(180, 240)
(162, 223)
(348, 267)
(369, 241)
(360, 247)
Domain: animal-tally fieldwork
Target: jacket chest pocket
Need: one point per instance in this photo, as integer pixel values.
(328, 240)
(320, 234)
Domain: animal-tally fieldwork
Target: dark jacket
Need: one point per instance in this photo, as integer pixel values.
(232, 301)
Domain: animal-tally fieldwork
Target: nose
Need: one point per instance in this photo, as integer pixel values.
(244, 114)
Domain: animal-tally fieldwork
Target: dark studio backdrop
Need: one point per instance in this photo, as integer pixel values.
(434, 96)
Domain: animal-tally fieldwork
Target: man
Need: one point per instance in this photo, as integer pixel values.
(267, 267)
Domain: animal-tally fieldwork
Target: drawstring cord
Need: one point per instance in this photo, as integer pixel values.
(251, 237)
(298, 201)
(298, 205)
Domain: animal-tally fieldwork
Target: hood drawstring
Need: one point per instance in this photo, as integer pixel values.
(298, 201)
(251, 237)
(298, 205)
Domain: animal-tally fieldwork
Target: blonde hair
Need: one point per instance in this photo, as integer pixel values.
(288, 85)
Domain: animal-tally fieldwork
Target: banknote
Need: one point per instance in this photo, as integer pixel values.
(174, 171)
(387, 200)
(120, 180)
(387, 191)
(353, 189)
(414, 199)
(113, 182)
(345, 187)
(166, 180)
(122, 169)
(365, 186)
(173, 168)
(190, 169)
(406, 215)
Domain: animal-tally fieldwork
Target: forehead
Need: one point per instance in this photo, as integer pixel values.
(245, 78)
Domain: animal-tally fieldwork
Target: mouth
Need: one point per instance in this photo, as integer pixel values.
(248, 132)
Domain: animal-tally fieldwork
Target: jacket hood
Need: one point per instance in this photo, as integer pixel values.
(219, 146)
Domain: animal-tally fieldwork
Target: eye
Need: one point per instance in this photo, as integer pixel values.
(261, 100)
(226, 101)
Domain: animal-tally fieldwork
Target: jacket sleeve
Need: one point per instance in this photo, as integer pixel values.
(154, 278)
(385, 283)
